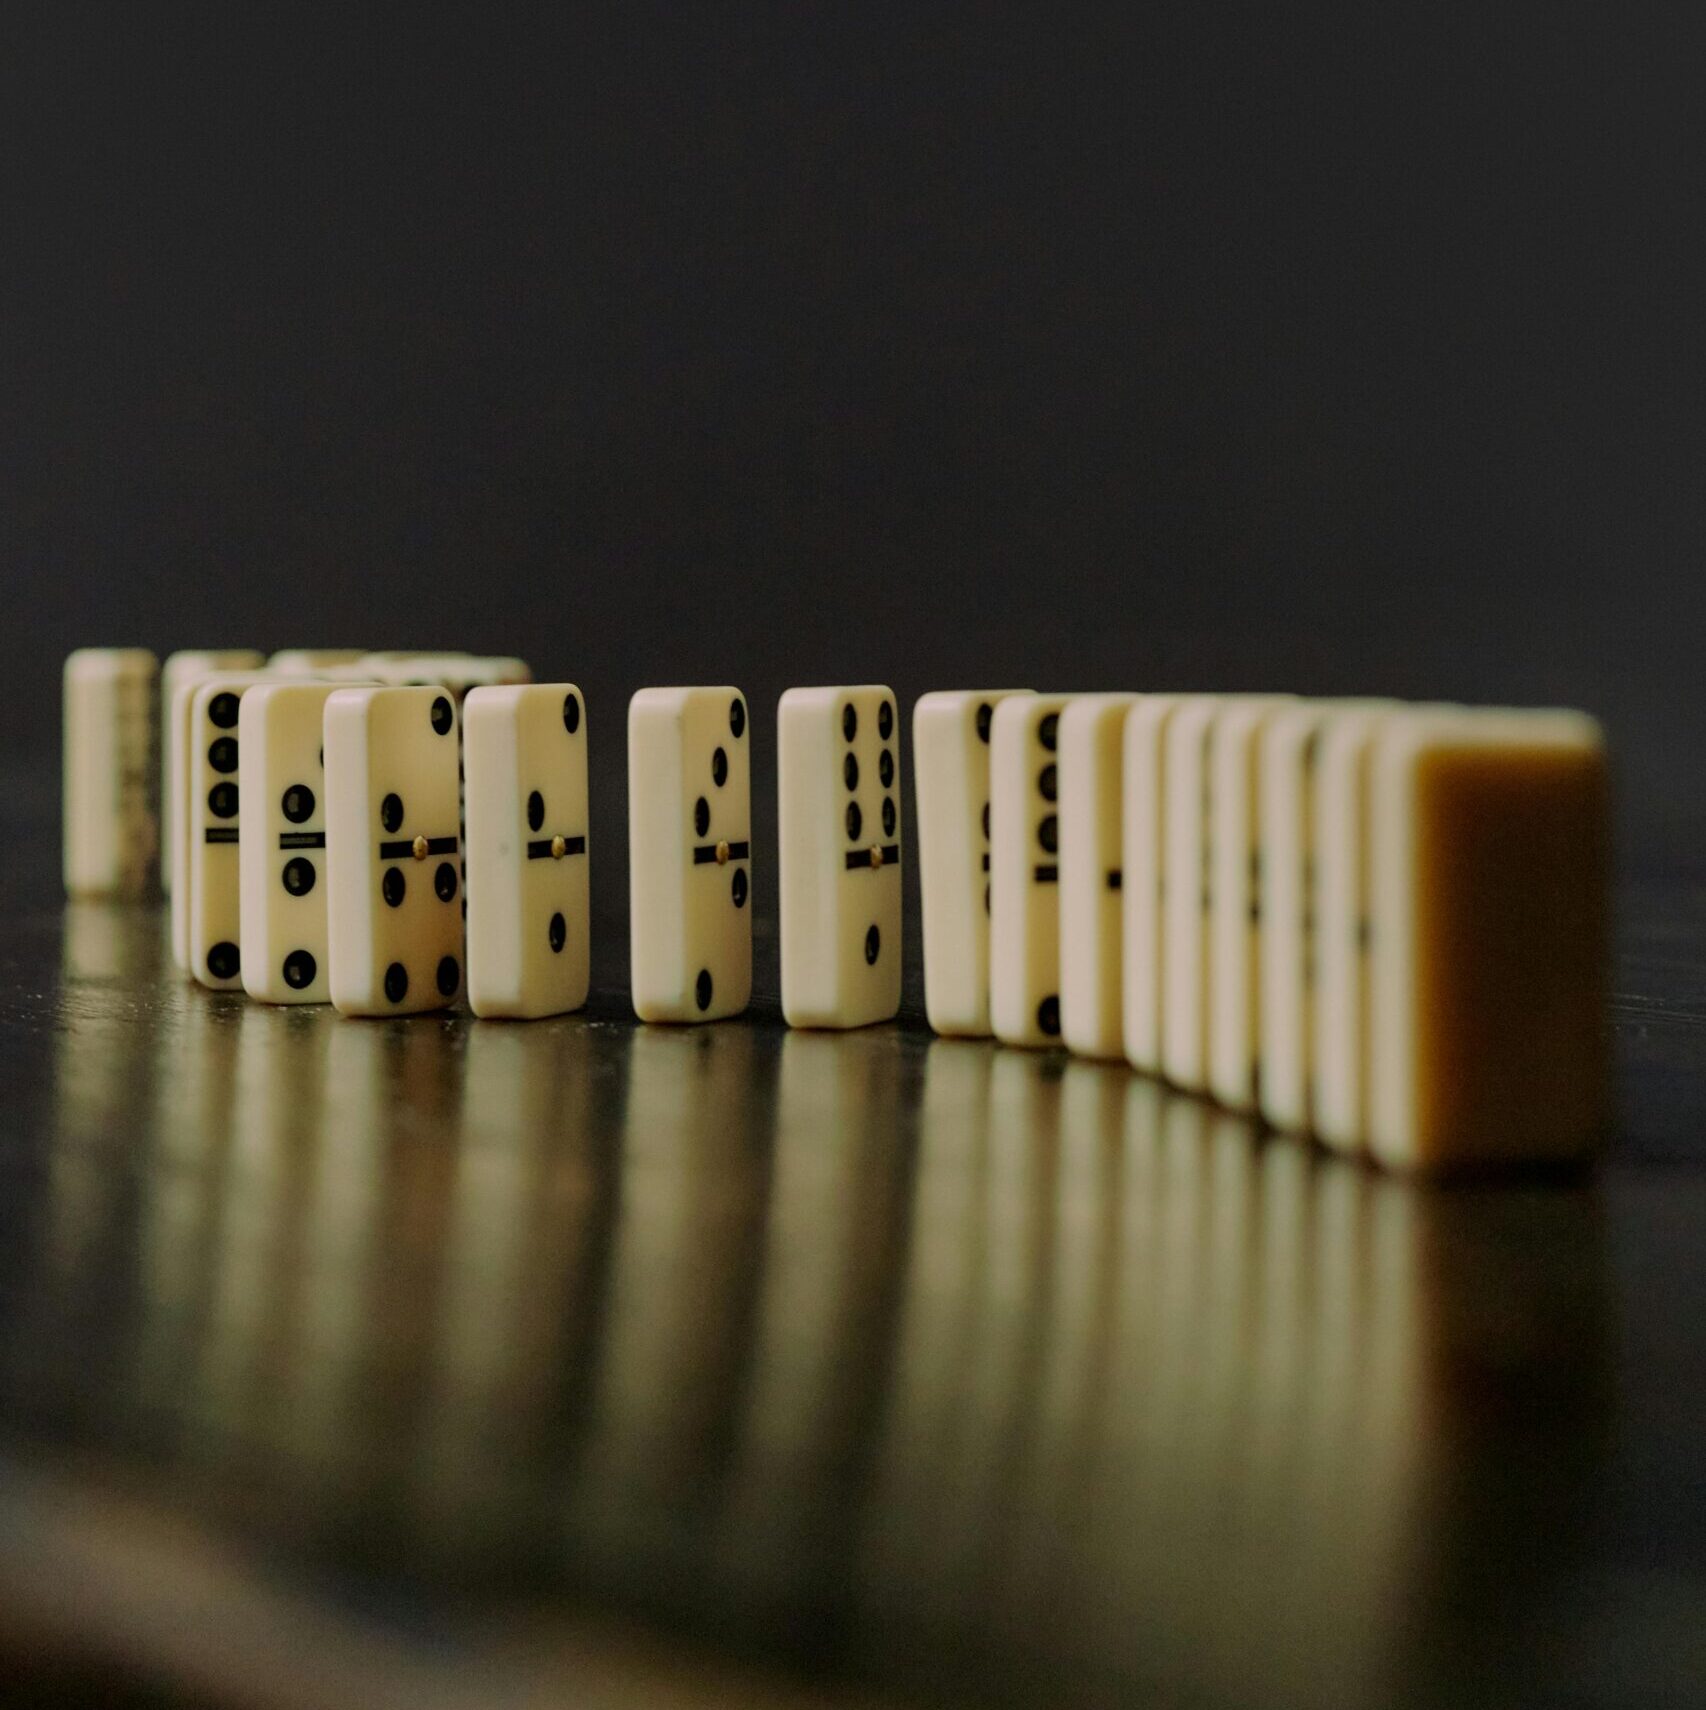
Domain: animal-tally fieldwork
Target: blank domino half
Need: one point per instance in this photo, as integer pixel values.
(188, 665)
(393, 902)
(689, 853)
(950, 778)
(111, 829)
(1142, 851)
(281, 843)
(1339, 913)
(211, 906)
(1490, 855)
(838, 811)
(529, 913)
(1235, 854)
(1092, 875)
(1024, 870)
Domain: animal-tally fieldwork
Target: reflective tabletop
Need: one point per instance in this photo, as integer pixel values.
(436, 1361)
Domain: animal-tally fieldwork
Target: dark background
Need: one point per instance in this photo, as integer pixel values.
(852, 342)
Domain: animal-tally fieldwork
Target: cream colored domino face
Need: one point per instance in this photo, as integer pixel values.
(1142, 851)
(1024, 870)
(1490, 866)
(1187, 900)
(1235, 854)
(188, 666)
(838, 800)
(281, 845)
(1291, 954)
(111, 829)
(213, 911)
(689, 853)
(529, 910)
(1286, 762)
(178, 741)
(1092, 873)
(393, 902)
(950, 779)
(311, 661)
(1339, 909)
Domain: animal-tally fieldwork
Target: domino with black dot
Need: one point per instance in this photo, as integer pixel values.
(689, 853)
(950, 780)
(1235, 922)
(1024, 870)
(1188, 890)
(180, 740)
(1143, 883)
(1339, 906)
(212, 901)
(394, 893)
(186, 666)
(529, 901)
(1092, 873)
(281, 844)
(838, 801)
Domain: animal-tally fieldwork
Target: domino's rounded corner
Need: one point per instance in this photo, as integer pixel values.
(1090, 710)
(933, 704)
(655, 699)
(1012, 713)
(793, 702)
(499, 697)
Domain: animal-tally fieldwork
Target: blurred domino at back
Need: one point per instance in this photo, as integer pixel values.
(282, 841)
(111, 828)
(1024, 870)
(950, 780)
(529, 913)
(458, 672)
(838, 799)
(1092, 874)
(311, 661)
(393, 904)
(689, 853)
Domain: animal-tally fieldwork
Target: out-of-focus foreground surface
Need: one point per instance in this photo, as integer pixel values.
(440, 1363)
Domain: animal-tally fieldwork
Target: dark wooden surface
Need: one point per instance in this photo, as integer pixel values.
(436, 1362)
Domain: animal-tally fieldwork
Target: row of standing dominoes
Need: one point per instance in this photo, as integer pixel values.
(351, 879)
(1382, 925)
(1378, 924)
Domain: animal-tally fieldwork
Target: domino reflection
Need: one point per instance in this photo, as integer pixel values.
(834, 1269)
(530, 1244)
(695, 1193)
(809, 1339)
(68, 1237)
